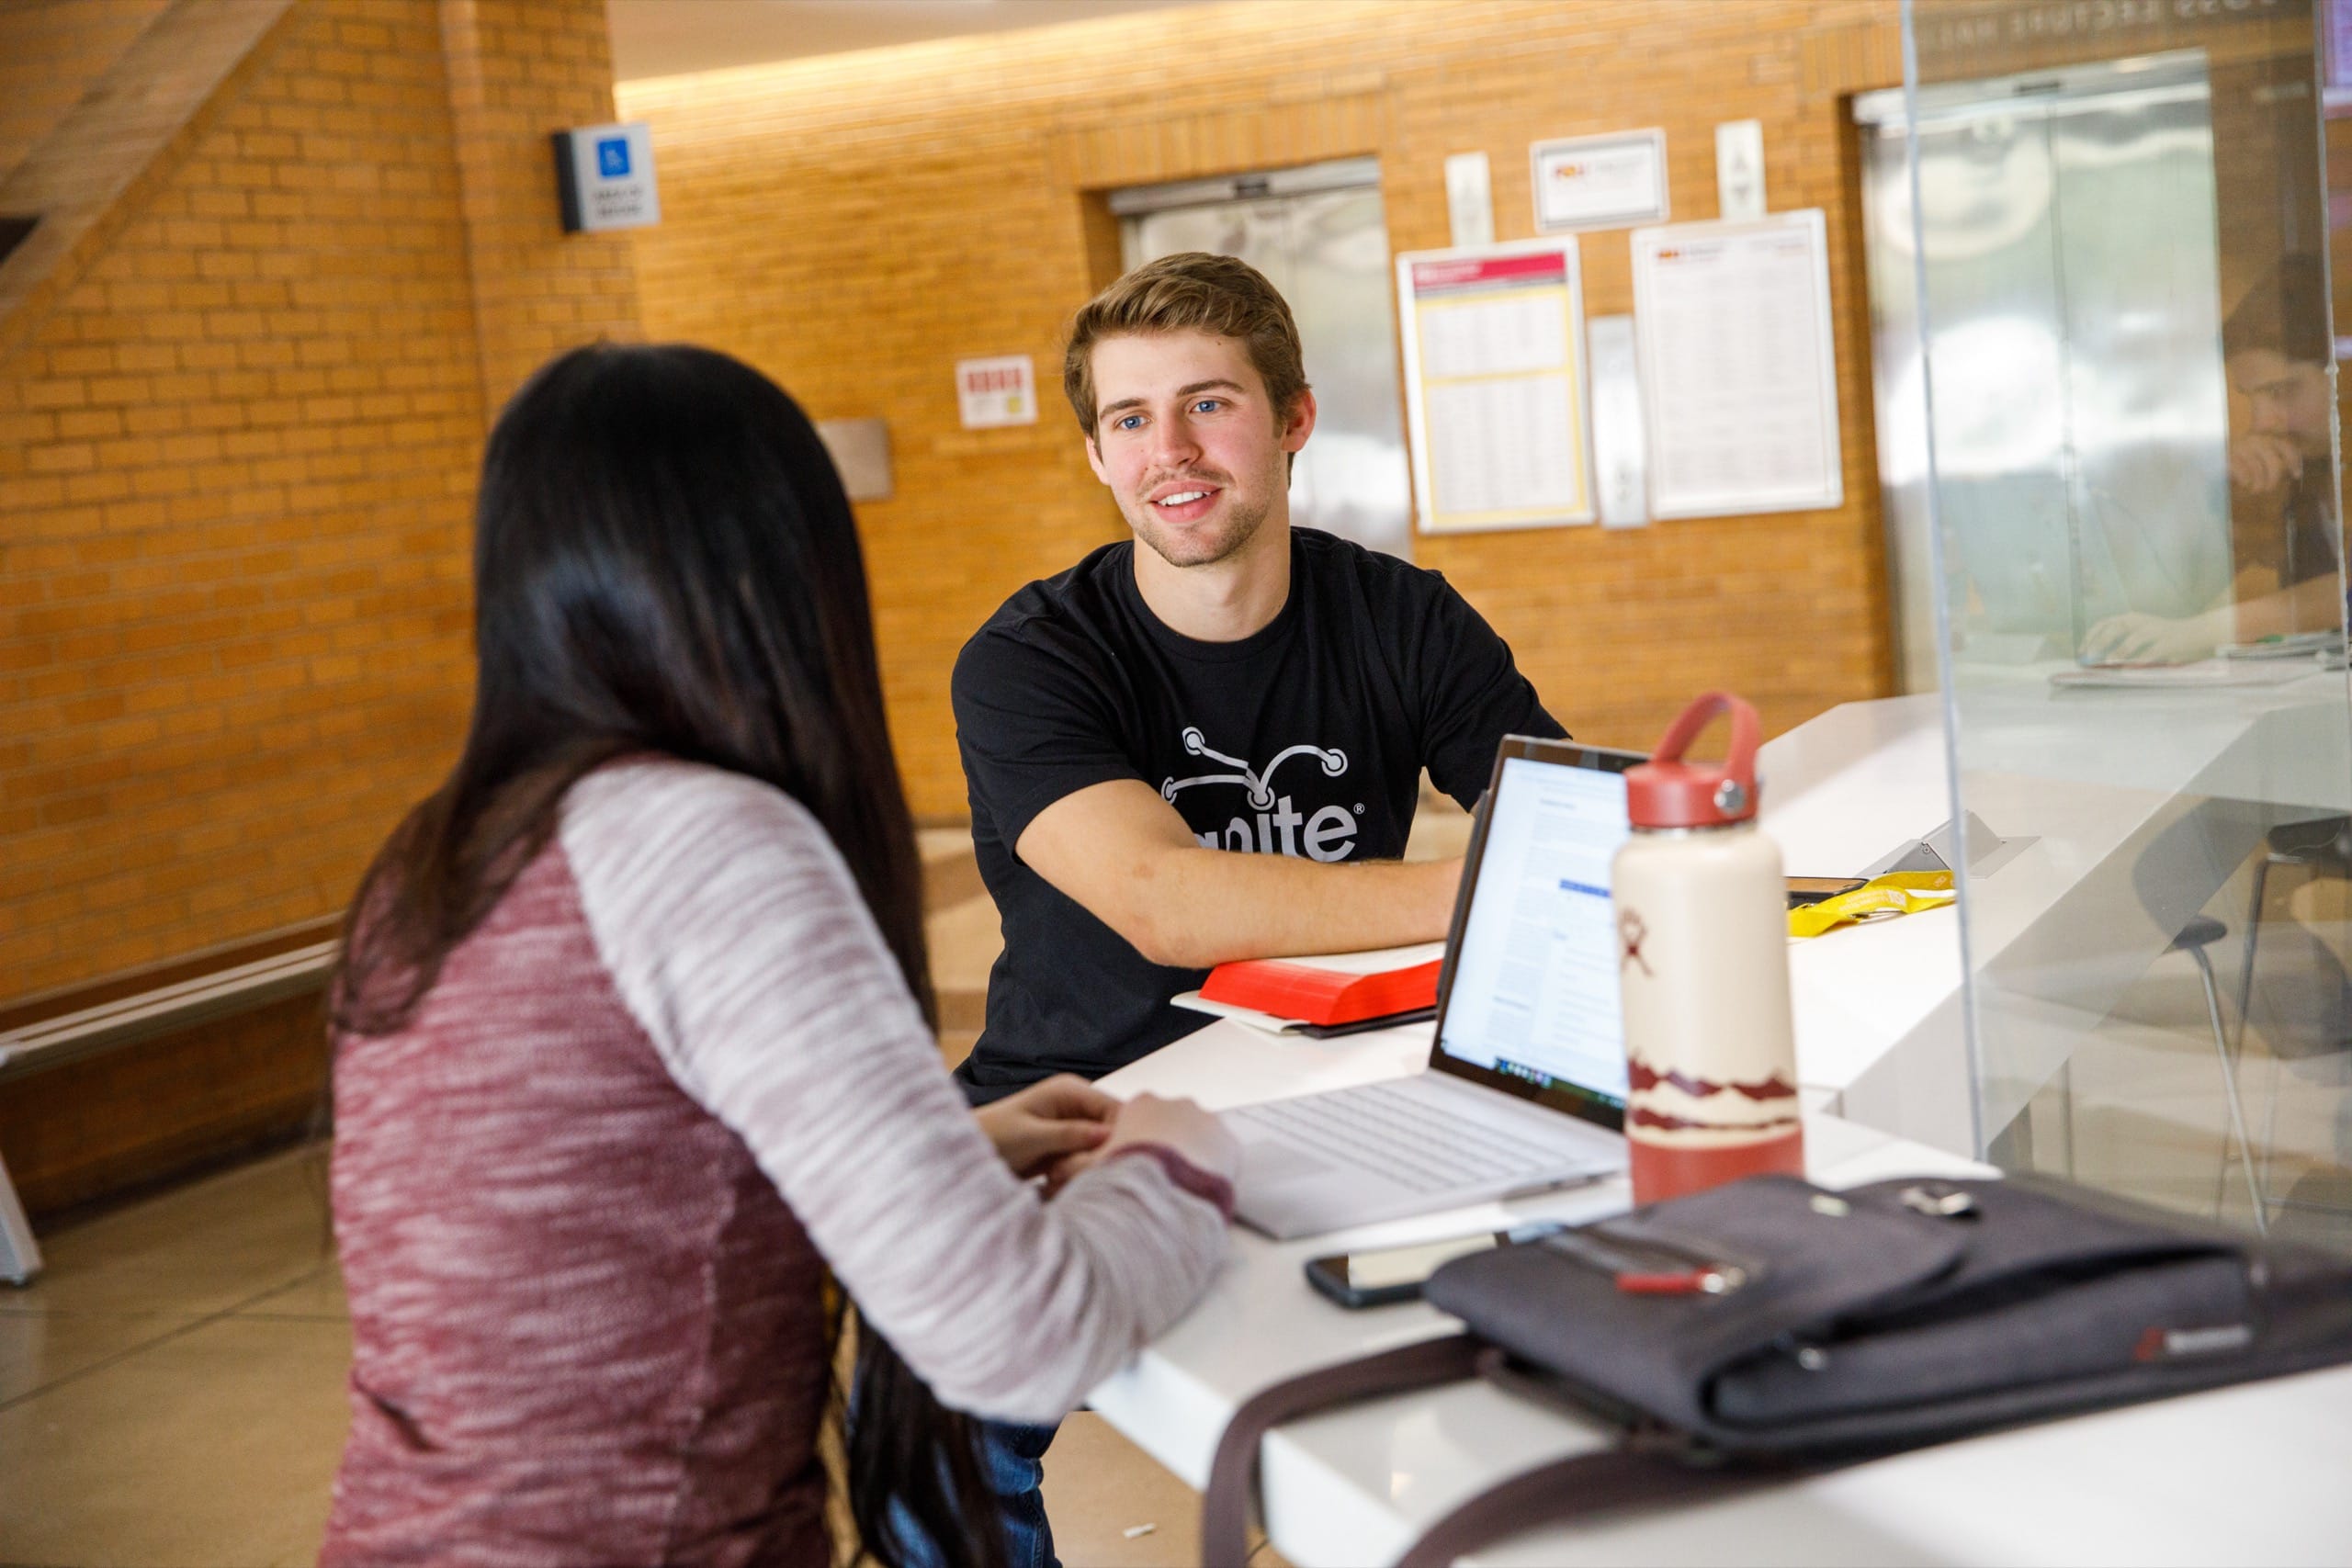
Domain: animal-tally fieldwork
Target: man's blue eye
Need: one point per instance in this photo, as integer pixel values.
(1208, 405)
(1128, 422)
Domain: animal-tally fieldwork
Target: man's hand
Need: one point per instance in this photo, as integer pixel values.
(1125, 856)
(2261, 462)
(1036, 1129)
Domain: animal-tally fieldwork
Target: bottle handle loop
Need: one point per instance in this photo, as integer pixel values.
(1747, 734)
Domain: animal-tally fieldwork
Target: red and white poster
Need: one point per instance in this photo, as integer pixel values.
(1495, 385)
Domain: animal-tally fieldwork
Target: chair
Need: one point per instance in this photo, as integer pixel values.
(2193, 938)
(2322, 847)
(2173, 876)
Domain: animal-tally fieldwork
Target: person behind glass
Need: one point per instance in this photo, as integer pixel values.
(634, 1048)
(1205, 742)
(2280, 360)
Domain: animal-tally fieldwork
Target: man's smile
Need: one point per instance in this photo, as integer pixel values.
(1183, 501)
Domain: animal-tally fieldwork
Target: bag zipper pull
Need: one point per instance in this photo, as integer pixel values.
(1710, 1280)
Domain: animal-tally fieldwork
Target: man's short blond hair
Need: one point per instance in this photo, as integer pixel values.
(1190, 291)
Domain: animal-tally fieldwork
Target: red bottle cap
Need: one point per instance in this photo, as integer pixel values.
(1667, 792)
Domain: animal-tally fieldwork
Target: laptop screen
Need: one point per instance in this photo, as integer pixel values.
(1530, 1001)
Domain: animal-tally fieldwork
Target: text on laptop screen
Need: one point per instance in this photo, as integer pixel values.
(1534, 992)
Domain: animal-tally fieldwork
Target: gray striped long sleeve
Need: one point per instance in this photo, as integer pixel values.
(736, 935)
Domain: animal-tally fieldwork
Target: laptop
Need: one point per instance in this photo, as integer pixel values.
(1526, 1083)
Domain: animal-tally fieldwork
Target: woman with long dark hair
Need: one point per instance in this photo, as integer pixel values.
(634, 1045)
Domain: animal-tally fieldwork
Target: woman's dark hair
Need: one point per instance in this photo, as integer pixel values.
(664, 561)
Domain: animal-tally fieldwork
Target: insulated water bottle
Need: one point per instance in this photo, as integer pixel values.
(1703, 969)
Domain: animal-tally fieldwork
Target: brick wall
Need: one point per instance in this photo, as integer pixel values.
(853, 224)
(49, 52)
(236, 461)
(519, 69)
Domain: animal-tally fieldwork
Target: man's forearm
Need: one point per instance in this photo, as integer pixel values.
(1212, 905)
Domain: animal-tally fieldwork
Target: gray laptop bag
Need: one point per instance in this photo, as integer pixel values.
(1769, 1329)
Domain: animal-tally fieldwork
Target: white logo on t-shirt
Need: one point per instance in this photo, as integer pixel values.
(1328, 835)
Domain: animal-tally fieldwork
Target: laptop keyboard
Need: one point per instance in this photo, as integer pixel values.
(1380, 1127)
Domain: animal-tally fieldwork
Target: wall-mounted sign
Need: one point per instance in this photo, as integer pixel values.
(1600, 182)
(1619, 455)
(1739, 170)
(860, 449)
(1470, 199)
(1494, 385)
(1739, 371)
(603, 176)
(996, 392)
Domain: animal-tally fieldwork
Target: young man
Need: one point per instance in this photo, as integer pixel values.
(2282, 480)
(1205, 743)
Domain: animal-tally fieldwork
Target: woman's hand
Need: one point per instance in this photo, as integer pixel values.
(2137, 638)
(1037, 1129)
(1178, 1124)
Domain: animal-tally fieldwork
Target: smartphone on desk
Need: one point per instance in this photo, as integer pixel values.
(1814, 889)
(1380, 1275)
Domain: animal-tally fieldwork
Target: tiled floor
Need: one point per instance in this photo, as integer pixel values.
(171, 1388)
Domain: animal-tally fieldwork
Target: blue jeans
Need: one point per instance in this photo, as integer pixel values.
(1013, 1463)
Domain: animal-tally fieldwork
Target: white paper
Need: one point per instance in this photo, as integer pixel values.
(996, 391)
(1495, 447)
(1493, 340)
(1507, 334)
(1371, 960)
(1739, 370)
(1600, 182)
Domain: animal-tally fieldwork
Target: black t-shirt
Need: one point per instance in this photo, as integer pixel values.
(2308, 522)
(1307, 738)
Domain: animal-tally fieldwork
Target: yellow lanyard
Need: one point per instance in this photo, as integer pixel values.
(1881, 898)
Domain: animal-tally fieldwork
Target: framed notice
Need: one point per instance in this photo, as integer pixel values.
(1739, 366)
(1600, 182)
(996, 392)
(1495, 385)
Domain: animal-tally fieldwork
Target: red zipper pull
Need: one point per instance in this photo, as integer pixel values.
(1686, 1284)
(1711, 1281)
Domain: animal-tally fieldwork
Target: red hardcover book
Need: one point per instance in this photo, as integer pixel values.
(1316, 991)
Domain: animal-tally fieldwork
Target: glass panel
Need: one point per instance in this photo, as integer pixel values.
(1328, 251)
(2115, 424)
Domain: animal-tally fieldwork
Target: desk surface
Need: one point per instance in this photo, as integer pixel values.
(2246, 1475)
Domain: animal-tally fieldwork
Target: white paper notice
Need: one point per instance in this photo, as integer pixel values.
(1495, 375)
(1600, 182)
(996, 391)
(1738, 375)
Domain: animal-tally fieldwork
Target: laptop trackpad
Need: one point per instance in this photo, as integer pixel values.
(1267, 1162)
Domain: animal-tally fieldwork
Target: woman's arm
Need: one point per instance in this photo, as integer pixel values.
(738, 939)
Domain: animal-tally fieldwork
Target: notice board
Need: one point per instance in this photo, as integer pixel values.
(1739, 366)
(1495, 385)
